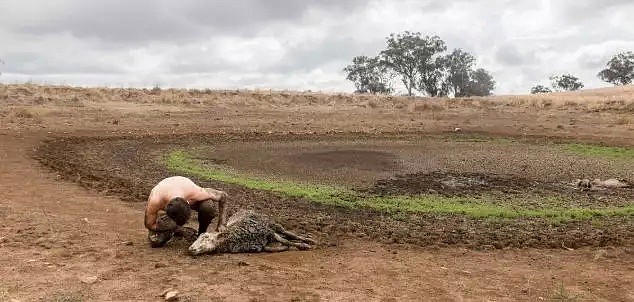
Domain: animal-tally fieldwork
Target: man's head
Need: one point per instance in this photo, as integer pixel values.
(178, 209)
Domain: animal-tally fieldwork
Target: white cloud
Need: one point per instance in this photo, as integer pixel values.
(286, 44)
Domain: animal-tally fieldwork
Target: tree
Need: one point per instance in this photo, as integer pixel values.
(459, 66)
(566, 82)
(620, 69)
(369, 75)
(540, 89)
(481, 83)
(431, 67)
(414, 58)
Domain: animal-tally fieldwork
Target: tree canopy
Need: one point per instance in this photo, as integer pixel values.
(369, 75)
(540, 89)
(619, 70)
(421, 65)
(566, 82)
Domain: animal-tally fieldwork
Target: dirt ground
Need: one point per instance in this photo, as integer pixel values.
(62, 239)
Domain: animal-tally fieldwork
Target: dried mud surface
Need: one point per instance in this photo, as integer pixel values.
(124, 166)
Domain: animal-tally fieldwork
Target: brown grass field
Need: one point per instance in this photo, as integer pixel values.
(76, 165)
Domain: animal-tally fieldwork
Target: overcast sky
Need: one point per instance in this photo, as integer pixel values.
(298, 45)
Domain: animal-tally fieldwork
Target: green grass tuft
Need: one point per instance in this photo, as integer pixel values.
(601, 151)
(181, 162)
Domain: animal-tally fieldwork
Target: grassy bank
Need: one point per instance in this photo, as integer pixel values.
(182, 162)
(601, 151)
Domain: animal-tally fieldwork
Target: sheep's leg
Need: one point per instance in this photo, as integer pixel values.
(302, 246)
(292, 236)
(275, 249)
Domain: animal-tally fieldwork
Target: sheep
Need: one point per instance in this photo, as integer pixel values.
(586, 184)
(248, 232)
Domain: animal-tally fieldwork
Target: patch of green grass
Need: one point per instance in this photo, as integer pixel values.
(181, 162)
(601, 151)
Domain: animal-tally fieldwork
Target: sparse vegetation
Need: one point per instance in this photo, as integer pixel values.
(601, 151)
(182, 162)
(607, 99)
(562, 295)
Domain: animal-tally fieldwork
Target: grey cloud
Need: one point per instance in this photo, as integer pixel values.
(116, 21)
(299, 44)
(38, 64)
(309, 57)
(593, 61)
(583, 11)
(509, 55)
(139, 21)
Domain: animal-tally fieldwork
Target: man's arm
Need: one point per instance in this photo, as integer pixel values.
(151, 217)
(221, 211)
(221, 198)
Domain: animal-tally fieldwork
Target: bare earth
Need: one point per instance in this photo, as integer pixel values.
(62, 242)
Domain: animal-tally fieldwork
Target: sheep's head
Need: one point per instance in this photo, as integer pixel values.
(206, 243)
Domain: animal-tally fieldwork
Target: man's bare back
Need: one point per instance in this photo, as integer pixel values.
(183, 187)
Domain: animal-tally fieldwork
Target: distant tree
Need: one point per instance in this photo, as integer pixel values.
(540, 89)
(566, 82)
(422, 65)
(481, 83)
(620, 69)
(414, 58)
(459, 66)
(431, 67)
(369, 75)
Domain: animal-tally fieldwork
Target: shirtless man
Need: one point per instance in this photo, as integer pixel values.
(177, 195)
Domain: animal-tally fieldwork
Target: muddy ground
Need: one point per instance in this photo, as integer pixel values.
(130, 166)
(64, 241)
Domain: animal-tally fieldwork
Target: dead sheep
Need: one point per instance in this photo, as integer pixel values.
(597, 183)
(248, 232)
(610, 183)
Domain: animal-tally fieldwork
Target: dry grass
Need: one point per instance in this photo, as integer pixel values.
(18, 114)
(594, 100)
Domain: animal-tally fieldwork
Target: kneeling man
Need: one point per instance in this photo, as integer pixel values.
(177, 196)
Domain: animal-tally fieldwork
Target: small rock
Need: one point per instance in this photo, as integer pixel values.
(128, 243)
(89, 280)
(243, 263)
(457, 129)
(171, 295)
(600, 254)
(159, 265)
(169, 289)
(85, 220)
